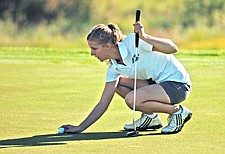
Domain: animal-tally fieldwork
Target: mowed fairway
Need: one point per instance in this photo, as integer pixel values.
(41, 89)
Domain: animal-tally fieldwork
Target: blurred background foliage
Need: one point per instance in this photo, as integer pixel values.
(192, 24)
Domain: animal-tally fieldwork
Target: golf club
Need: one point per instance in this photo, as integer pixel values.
(135, 132)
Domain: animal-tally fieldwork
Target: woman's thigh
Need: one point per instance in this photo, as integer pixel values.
(152, 92)
(165, 92)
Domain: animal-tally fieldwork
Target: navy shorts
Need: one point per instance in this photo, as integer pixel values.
(176, 91)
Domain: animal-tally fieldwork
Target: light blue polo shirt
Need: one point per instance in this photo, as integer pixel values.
(150, 64)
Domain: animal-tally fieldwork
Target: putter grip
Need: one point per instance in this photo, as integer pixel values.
(138, 15)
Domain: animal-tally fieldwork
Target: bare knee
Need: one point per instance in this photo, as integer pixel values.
(129, 99)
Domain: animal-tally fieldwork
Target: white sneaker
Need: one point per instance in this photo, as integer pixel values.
(145, 122)
(177, 121)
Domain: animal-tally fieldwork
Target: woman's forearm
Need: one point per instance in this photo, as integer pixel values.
(95, 114)
(101, 107)
(161, 44)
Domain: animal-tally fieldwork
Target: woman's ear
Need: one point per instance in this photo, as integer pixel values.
(108, 45)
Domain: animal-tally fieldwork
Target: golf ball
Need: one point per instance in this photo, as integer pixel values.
(61, 130)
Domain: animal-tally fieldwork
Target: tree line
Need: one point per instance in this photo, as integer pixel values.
(26, 12)
(186, 13)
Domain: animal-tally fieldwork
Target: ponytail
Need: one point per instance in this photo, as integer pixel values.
(105, 34)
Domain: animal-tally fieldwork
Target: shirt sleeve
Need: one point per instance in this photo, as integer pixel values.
(111, 75)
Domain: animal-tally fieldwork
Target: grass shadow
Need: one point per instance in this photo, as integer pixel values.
(60, 139)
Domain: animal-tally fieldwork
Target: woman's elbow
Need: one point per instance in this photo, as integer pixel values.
(175, 48)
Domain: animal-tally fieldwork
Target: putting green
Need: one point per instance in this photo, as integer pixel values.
(41, 89)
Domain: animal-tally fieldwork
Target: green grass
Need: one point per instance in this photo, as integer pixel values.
(41, 89)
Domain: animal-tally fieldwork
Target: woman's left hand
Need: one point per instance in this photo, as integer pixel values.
(139, 28)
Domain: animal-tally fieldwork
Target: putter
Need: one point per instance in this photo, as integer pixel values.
(135, 132)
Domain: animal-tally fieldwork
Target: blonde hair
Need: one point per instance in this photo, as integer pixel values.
(103, 34)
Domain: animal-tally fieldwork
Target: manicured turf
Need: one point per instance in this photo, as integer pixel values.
(41, 89)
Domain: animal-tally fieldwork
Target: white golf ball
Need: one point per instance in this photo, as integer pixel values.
(61, 130)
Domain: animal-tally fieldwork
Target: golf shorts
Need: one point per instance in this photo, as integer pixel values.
(176, 91)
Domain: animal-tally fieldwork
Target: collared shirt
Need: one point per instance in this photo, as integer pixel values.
(150, 64)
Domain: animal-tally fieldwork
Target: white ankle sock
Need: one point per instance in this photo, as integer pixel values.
(179, 111)
(152, 115)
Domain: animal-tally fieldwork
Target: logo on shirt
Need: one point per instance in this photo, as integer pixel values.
(135, 58)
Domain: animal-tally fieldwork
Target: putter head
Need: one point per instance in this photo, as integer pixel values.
(132, 134)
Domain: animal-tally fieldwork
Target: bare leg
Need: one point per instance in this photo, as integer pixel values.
(126, 85)
(151, 98)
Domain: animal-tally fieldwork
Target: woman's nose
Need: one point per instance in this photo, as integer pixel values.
(92, 52)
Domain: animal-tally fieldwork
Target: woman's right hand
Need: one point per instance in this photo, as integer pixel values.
(71, 129)
(139, 28)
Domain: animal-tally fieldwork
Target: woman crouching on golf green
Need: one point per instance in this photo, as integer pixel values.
(162, 81)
